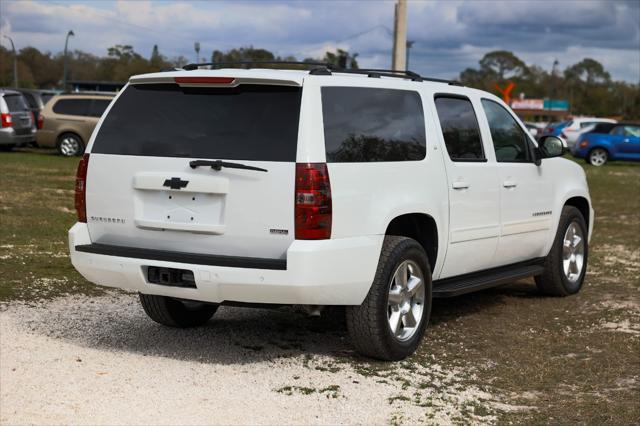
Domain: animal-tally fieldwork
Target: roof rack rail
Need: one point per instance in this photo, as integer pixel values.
(191, 67)
(324, 68)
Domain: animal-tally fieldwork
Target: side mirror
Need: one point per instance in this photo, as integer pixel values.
(551, 146)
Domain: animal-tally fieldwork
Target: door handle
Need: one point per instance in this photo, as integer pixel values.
(509, 184)
(626, 140)
(460, 185)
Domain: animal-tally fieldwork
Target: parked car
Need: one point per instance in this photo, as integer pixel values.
(553, 129)
(18, 127)
(36, 100)
(68, 120)
(371, 190)
(620, 141)
(532, 128)
(577, 126)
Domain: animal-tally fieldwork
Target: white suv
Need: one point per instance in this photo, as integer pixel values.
(373, 190)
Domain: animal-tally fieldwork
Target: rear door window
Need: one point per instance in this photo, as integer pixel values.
(72, 106)
(247, 122)
(15, 103)
(364, 124)
(459, 128)
(97, 107)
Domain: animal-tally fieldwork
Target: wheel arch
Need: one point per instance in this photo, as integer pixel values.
(422, 228)
(582, 204)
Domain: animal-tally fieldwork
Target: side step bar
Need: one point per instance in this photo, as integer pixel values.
(468, 283)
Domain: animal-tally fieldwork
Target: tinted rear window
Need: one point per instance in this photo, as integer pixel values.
(46, 97)
(367, 124)
(15, 103)
(72, 106)
(460, 128)
(248, 122)
(31, 100)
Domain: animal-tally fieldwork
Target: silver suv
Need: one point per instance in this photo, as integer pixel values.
(18, 126)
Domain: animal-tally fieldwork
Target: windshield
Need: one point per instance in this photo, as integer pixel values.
(247, 122)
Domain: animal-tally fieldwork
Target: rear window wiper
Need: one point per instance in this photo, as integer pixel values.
(219, 164)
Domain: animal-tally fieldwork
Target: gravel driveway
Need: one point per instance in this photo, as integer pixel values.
(100, 360)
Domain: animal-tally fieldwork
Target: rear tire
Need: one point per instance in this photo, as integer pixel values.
(176, 313)
(70, 145)
(394, 301)
(597, 157)
(566, 263)
(6, 148)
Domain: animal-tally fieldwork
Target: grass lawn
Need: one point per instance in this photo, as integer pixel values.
(564, 360)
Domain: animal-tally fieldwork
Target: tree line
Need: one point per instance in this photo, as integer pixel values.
(43, 70)
(587, 86)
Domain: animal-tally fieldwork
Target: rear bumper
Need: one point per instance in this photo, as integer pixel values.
(8, 136)
(324, 272)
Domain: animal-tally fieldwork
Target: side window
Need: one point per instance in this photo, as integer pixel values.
(459, 128)
(72, 107)
(97, 107)
(509, 141)
(633, 131)
(368, 125)
(618, 131)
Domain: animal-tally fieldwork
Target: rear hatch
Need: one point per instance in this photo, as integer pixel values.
(21, 116)
(144, 189)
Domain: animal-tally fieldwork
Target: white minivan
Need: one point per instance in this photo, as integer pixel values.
(369, 189)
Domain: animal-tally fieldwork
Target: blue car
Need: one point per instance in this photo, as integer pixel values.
(619, 141)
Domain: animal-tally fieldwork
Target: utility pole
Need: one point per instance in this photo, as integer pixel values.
(196, 47)
(64, 72)
(399, 60)
(15, 63)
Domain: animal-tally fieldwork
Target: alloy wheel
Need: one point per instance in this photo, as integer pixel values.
(573, 252)
(406, 300)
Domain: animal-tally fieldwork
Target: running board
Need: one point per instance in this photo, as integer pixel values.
(468, 283)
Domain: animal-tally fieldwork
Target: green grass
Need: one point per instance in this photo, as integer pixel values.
(36, 210)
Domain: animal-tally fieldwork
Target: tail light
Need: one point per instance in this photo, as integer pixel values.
(312, 202)
(81, 188)
(6, 120)
(550, 130)
(40, 121)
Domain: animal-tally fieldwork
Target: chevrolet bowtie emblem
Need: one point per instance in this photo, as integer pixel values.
(175, 183)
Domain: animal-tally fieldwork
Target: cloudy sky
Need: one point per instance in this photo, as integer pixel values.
(449, 35)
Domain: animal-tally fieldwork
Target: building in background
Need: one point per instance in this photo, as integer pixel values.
(541, 110)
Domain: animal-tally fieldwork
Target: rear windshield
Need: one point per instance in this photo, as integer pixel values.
(247, 122)
(15, 103)
(46, 97)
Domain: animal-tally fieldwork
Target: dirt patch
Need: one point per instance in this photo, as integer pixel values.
(56, 356)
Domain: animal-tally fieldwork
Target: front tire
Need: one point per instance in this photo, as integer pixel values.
(566, 263)
(70, 145)
(176, 313)
(391, 321)
(598, 157)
